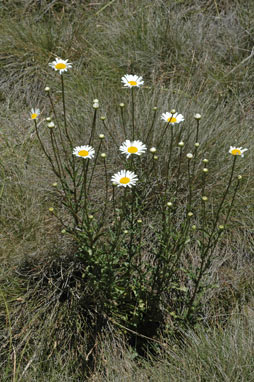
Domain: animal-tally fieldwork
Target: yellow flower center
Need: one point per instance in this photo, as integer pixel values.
(132, 149)
(133, 83)
(83, 153)
(172, 119)
(236, 152)
(124, 180)
(34, 116)
(60, 66)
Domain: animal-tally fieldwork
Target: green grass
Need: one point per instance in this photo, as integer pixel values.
(193, 56)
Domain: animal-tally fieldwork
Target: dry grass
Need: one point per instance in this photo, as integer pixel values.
(194, 56)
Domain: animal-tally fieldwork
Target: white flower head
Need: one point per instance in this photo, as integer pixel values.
(172, 118)
(237, 150)
(34, 114)
(124, 178)
(60, 65)
(131, 81)
(132, 147)
(86, 152)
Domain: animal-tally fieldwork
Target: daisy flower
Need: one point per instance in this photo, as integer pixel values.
(84, 152)
(132, 81)
(237, 150)
(60, 65)
(172, 118)
(135, 147)
(35, 113)
(124, 178)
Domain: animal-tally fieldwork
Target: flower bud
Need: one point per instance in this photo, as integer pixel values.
(169, 204)
(51, 125)
(125, 231)
(239, 177)
(63, 231)
(181, 144)
(51, 209)
(197, 144)
(139, 221)
(172, 111)
(189, 156)
(103, 117)
(194, 227)
(101, 136)
(90, 217)
(197, 116)
(54, 184)
(103, 155)
(155, 157)
(48, 119)
(114, 184)
(205, 160)
(153, 150)
(47, 89)
(204, 198)
(121, 104)
(155, 108)
(221, 227)
(190, 214)
(205, 170)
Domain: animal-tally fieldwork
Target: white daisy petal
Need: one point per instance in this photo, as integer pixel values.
(124, 178)
(237, 150)
(132, 147)
(34, 114)
(86, 152)
(172, 118)
(60, 65)
(131, 81)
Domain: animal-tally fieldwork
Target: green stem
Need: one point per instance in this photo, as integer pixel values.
(45, 152)
(64, 111)
(179, 168)
(93, 128)
(190, 188)
(151, 128)
(110, 134)
(95, 162)
(169, 158)
(205, 249)
(133, 113)
(162, 136)
(123, 122)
